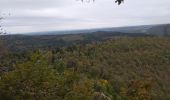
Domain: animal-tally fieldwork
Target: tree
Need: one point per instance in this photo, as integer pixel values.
(137, 90)
(117, 1)
(2, 44)
(2, 31)
(0, 25)
(30, 80)
(3, 49)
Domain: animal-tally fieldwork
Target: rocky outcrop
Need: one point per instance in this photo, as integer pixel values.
(100, 96)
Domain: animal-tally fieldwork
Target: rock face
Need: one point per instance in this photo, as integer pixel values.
(100, 96)
(160, 30)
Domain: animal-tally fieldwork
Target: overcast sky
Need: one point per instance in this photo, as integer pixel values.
(50, 15)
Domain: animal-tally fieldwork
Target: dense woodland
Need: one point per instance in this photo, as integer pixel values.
(122, 68)
(22, 43)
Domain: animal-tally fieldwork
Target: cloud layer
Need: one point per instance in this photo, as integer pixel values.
(49, 15)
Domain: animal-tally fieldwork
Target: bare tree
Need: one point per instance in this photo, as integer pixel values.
(2, 44)
(0, 25)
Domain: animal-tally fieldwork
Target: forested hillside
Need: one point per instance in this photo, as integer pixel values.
(118, 69)
(20, 43)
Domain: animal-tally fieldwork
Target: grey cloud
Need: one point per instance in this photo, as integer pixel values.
(44, 15)
(41, 20)
(30, 4)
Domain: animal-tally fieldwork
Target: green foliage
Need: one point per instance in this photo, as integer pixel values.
(31, 79)
(119, 69)
(137, 90)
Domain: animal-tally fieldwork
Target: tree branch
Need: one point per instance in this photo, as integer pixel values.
(117, 1)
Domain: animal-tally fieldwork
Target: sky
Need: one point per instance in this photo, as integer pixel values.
(23, 16)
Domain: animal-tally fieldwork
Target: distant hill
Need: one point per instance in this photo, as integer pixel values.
(32, 42)
(158, 30)
(55, 39)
